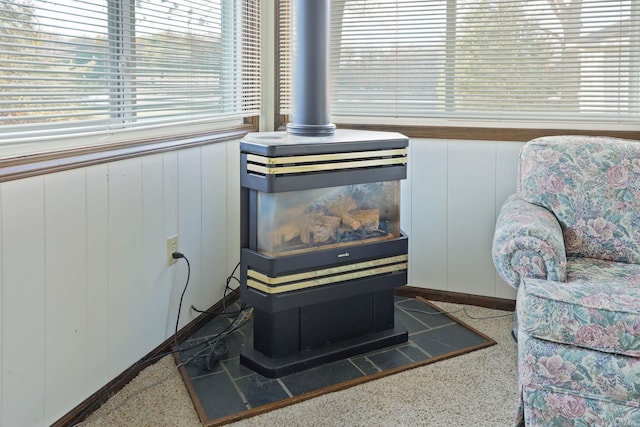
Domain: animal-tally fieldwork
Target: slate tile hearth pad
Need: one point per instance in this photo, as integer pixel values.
(223, 390)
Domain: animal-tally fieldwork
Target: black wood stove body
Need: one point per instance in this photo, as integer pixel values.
(322, 249)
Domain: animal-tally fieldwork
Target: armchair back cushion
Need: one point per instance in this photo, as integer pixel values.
(593, 189)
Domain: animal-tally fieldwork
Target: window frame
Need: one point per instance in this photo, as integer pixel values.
(37, 159)
(447, 128)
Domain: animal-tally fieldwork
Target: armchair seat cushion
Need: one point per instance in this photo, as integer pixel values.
(571, 386)
(597, 308)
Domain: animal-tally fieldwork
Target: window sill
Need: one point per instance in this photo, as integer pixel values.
(475, 131)
(24, 166)
(487, 133)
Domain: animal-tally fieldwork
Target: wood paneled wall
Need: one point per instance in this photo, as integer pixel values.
(85, 291)
(450, 204)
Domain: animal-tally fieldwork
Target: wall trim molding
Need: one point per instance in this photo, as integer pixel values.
(457, 297)
(19, 167)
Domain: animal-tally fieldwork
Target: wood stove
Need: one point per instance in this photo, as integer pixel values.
(322, 249)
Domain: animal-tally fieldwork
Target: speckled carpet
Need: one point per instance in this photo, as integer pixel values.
(478, 388)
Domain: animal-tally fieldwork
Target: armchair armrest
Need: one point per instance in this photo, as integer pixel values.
(528, 242)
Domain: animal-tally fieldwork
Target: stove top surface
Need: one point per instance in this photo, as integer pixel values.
(278, 144)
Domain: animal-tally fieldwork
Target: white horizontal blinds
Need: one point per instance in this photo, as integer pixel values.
(178, 65)
(387, 57)
(549, 60)
(75, 66)
(249, 44)
(53, 64)
(285, 46)
(553, 60)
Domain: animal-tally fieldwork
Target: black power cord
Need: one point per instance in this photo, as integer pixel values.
(227, 291)
(216, 348)
(211, 343)
(179, 255)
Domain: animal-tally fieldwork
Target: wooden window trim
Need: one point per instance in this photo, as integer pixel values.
(474, 133)
(486, 133)
(18, 167)
(441, 132)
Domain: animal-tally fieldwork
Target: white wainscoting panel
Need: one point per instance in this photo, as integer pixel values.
(173, 282)
(154, 243)
(66, 292)
(428, 238)
(190, 230)
(23, 303)
(125, 297)
(455, 188)
(214, 223)
(233, 207)
(97, 280)
(86, 291)
(471, 216)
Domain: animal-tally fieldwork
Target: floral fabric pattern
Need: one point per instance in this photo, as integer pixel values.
(601, 315)
(547, 408)
(568, 385)
(592, 185)
(569, 240)
(527, 243)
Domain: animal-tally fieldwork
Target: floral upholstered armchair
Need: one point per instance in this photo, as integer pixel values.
(569, 241)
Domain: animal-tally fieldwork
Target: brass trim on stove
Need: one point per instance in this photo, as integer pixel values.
(325, 276)
(324, 162)
(325, 271)
(255, 158)
(324, 166)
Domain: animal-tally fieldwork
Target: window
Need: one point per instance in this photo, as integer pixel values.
(112, 69)
(552, 61)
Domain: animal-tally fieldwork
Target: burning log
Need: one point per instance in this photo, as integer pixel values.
(369, 219)
(287, 232)
(327, 219)
(316, 227)
(341, 206)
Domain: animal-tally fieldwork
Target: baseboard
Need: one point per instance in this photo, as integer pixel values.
(93, 402)
(457, 297)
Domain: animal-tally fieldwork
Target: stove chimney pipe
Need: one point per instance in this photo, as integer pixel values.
(311, 69)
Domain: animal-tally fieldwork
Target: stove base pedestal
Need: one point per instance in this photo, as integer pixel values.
(275, 367)
(325, 324)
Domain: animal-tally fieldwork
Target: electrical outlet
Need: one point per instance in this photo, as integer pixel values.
(172, 246)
